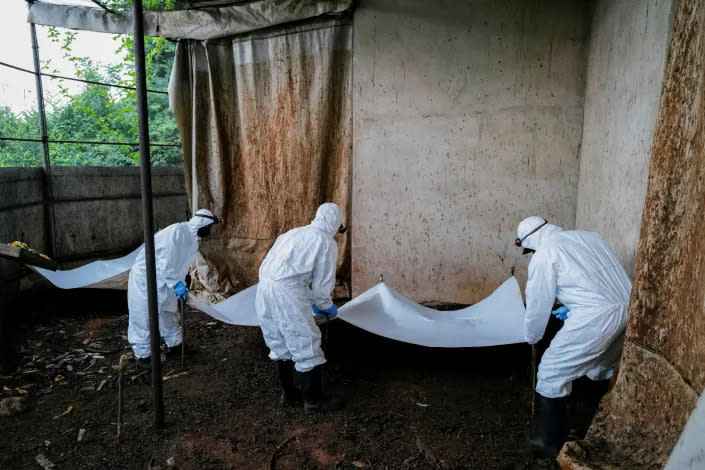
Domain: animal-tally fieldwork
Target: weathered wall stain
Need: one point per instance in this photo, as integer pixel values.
(273, 141)
(663, 365)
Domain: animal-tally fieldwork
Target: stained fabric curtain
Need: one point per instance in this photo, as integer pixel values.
(266, 126)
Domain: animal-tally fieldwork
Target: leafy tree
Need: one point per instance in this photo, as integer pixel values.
(16, 153)
(100, 113)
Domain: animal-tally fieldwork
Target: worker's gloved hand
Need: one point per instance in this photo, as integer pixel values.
(561, 312)
(317, 311)
(330, 313)
(181, 291)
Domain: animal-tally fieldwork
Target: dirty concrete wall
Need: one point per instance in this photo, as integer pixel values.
(626, 60)
(21, 214)
(662, 371)
(97, 211)
(21, 218)
(467, 117)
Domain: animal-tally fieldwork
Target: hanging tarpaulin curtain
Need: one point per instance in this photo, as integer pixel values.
(266, 128)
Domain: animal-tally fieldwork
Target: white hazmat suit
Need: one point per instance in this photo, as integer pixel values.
(302, 257)
(579, 269)
(174, 249)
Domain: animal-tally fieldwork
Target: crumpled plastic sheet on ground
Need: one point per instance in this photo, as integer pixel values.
(497, 319)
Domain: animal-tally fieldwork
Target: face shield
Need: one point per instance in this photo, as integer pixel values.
(518, 241)
(206, 230)
(214, 218)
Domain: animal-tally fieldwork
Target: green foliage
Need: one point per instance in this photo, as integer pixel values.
(99, 113)
(146, 4)
(15, 153)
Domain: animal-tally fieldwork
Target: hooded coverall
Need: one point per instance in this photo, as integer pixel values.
(298, 271)
(578, 268)
(174, 249)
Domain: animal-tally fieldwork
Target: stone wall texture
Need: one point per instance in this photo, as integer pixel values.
(662, 372)
(97, 213)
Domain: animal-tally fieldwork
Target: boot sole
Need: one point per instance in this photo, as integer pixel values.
(540, 451)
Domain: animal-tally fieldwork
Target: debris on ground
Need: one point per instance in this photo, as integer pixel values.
(277, 450)
(44, 462)
(12, 405)
(430, 458)
(173, 376)
(226, 414)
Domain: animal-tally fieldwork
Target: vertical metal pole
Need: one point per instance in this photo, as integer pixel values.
(193, 204)
(121, 392)
(324, 347)
(147, 215)
(4, 349)
(46, 163)
(183, 335)
(533, 380)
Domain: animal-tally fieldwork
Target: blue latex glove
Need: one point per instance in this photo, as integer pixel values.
(330, 313)
(181, 291)
(316, 311)
(561, 312)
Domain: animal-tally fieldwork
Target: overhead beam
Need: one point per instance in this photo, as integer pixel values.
(201, 24)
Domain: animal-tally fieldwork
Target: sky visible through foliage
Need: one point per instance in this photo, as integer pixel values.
(87, 112)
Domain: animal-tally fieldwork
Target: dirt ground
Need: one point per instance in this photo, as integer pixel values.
(408, 407)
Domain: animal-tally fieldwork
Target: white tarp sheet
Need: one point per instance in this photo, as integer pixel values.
(238, 309)
(102, 274)
(498, 319)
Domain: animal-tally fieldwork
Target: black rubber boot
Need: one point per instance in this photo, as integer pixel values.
(174, 352)
(314, 400)
(587, 399)
(548, 430)
(144, 363)
(291, 396)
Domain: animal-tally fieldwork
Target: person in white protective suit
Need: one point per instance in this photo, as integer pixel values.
(174, 249)
(296, 280)
(577, 268)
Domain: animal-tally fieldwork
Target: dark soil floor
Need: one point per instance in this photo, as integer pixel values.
(408, 407)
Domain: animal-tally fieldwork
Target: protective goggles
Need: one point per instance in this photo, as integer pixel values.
(519, 241)
(342, 229)
(214, 218)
